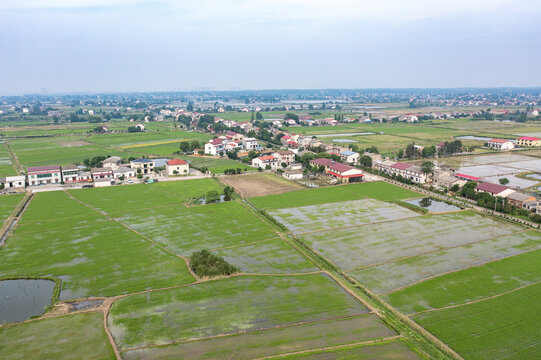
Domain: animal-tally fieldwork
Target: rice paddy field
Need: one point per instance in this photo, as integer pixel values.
(469, 279)
(6, 166)
(129, 246)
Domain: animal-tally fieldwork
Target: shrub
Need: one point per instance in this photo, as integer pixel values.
(206, 264)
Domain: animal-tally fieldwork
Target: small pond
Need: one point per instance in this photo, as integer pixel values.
(432, 205)
(471, 137)
(534, 176)
(21, 299)
(203, 201)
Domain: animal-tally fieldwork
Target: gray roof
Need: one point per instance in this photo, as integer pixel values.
(517, 196)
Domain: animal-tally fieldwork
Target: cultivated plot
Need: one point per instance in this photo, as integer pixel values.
(335, 215)
(504, 327)
(185, 230)
(281, 340)
(118, 200)
(233, 305)
(471, 284)
(269, 256)
(7, 204)
(260, 184)
(392, 275)
(92, 255)
(377, 190)
(78, 336)
(368, 245)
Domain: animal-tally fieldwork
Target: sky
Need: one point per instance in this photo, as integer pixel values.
(63, 46)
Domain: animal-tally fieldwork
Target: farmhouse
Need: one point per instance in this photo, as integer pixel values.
(145, 165)
(408, 171)
(250, 144)
(42, 175)
(102, 173)
(112, 162)
(293, 174)
(351, 157)
(214, 147)
(263, 161)
(70, 173)
(528, 141)
(287, 156)
(13, 182)
(125, 172)
(522, 201)
(177, 167)
(501, 144)
(343, 172)
(85, 176)
(494, 189)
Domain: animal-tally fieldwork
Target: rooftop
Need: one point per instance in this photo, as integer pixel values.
(176, 162)
(491, 188)
(43, 168)
(401, 166)
(529, 138)
(142, 161)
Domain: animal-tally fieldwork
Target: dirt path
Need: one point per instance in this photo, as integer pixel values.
(476, 301)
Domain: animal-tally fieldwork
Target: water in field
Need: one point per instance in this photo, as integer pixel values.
(22, 299)
(346, 134)
(433, 205)
(471, 137)
(344, 140)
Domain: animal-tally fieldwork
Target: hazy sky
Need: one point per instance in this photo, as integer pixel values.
(138, 45)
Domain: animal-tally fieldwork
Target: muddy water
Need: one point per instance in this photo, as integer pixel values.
(432, 205)
(22, 299)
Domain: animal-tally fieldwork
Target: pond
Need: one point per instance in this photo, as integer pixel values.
(203, 201)
(432, 205)
(534, 176)
(21, 299)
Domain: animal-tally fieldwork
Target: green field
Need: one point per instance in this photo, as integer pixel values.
(245, 303)
(79, 336)
(215, 165)
(502, 327)
(281, 340)
(120, 199)
(376, 190)
(6, 166)
(94, 256)
(470, 284)
(126, 139)
(7, 204)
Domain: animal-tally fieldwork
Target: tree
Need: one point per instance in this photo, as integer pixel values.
(365, 161)
(504, 181)
(292, 116)
(284, 165)
(425, 202)
(427, 167)
(228, 193)
(455, 188)
(212, 196)
(258, 116)
(184, 146)
(133, 129)
(189, 107)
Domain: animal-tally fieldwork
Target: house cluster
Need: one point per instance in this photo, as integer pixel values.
(230, 141)
(515, 198)
(342, 172)
(112, 169)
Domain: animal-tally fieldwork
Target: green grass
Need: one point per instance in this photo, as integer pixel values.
(214, 165)
(121, 199)
(470, 284)
(227, 306)
(502, 327)
(276, 341)
(79, 336)
(377, 190)
(7, 204)
(125, 139)
(58, 237)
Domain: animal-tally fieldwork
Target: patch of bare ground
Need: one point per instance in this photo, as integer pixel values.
(260, 184)
(75, 143)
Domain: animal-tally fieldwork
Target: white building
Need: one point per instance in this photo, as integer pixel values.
(293, 174)
(214, 147)
(177, 167)
(112, 162)
(250, 144)
(501, 144)
(126, 172)
(263, 161)
(13, 182)
(349, 156)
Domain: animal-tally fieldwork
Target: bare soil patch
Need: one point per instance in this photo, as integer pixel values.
(251, 185)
